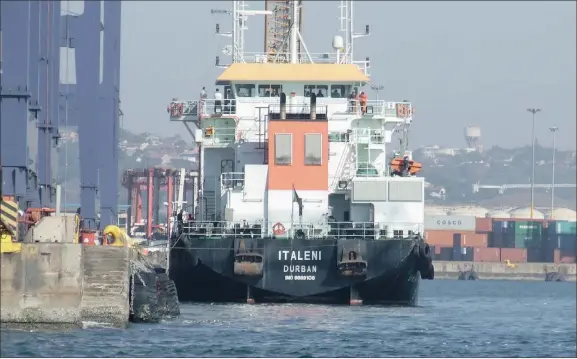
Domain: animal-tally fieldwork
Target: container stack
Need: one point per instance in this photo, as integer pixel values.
(561, 242)
(466, 238)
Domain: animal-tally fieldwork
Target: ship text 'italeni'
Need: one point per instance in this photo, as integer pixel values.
(295, 271)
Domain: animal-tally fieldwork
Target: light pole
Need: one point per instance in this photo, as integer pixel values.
(377, 88)
(533, 111)
(553, 129)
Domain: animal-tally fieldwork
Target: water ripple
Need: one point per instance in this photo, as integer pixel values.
(454, 319)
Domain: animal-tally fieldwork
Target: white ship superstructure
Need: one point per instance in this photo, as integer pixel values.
(287, 132)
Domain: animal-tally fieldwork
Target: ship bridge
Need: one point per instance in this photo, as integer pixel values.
(251, 94)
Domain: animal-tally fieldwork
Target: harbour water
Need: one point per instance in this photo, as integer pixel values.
(454, 319)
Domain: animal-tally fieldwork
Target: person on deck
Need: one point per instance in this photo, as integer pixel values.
(353, 98)
(363, 99)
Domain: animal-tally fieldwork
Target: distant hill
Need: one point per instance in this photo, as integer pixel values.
(452, 174)
(457, 174)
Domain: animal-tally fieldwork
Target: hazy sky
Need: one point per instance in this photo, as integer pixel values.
(460, 63)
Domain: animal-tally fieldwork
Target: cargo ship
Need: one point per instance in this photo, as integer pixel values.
(519, 239)
(300, 198)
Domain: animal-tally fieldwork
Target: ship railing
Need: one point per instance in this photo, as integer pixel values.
(283, 57)
(232, 180)
(223, 136)
(327, 230)
(367, 136)
(179, 109)
(212, 107)
(299, 111)
(366, 169)
(380, 108)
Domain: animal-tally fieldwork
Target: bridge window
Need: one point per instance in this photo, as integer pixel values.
(245, 90)
(269, 90)
(283, 149)
(338, 137)
(338, 91)
(313, 149)
(319, 90)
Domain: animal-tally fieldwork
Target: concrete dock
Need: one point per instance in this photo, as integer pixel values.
(502, 271)
(65, 283)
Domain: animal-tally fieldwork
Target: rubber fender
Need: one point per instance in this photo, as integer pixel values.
(425, 251)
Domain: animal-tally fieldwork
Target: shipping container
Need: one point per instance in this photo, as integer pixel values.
(536, 255)
(557, 256)
(487, 255)
(563, 242)
(562, 227)
(455, 223)
(439, 238)
(446, 254)
(471, 239)
(519, 241)
(564, 256)
(457, 240)
(495, 240)
(499, 227)
(467, 254)
(514, 255)
(483, 225)
(568, 260)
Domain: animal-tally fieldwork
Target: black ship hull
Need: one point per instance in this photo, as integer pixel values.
(335, 271)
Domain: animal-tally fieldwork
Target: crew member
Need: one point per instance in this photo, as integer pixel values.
(363, 99)
(217, 101)
(353, 98)
(203, 94)
(406, 165)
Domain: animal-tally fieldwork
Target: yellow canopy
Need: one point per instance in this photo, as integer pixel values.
(303, 73)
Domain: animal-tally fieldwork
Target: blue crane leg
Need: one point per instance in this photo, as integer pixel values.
(33, 197)
(14, 97)
(86, 33)
(55, 96)
(46, 125)
(108, 116)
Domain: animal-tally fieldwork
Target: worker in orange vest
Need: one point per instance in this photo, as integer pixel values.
(363, 98)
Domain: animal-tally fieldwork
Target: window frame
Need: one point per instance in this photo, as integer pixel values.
(270, 87)
(251, 87)
(290, 152)
(306, 160)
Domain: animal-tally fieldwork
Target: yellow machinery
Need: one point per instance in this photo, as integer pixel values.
(7, 244)
(114, 236)
(9, 226)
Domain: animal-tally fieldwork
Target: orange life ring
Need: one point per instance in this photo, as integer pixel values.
(278, 229)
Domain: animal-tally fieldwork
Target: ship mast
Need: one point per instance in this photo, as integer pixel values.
(283, 40)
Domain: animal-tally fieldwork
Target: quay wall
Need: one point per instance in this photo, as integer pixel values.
(65, 283)
(488, 270)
